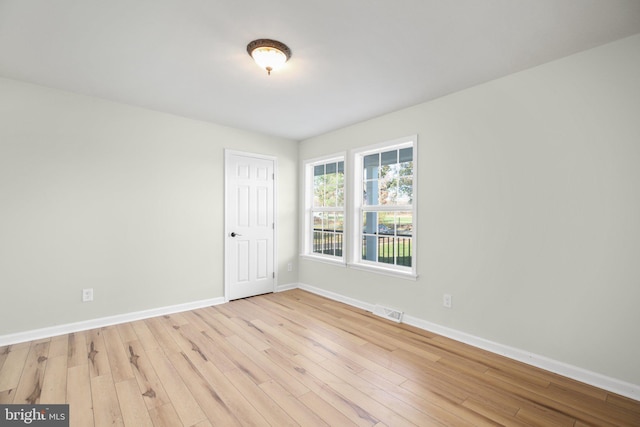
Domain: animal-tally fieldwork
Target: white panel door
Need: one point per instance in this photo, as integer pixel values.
(249, 225)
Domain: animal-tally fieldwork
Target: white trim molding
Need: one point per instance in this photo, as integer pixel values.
(68, 328)
(595, 379)
(287, 287)
(338, 297)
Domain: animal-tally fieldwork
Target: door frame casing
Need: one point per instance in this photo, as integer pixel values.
(227, 154)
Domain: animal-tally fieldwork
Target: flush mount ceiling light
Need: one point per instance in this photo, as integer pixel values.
(269, 54)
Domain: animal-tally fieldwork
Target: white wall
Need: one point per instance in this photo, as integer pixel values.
(120, 199)
(529, 211)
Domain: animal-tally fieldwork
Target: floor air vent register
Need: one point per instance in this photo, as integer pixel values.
(388, 313)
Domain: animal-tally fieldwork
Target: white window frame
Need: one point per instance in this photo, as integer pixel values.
(307, 226)
(357, 209)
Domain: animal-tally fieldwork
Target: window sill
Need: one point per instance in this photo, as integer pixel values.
(326, 260)
(407, 275)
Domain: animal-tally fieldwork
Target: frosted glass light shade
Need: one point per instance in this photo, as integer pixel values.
(269, 54)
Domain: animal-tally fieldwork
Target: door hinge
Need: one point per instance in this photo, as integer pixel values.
(273, 176)
(273, 225)
(274, 274)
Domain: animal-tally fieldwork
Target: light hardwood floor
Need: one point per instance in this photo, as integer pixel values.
(291, 358)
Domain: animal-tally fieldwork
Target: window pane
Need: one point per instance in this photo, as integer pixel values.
(337, 244)
(317, 220)
(406, 155)
(405, 191)
(329, 221)
(404, 251)
(388, 191)
(369, 249)
(370, 194)
(369, 222)
(340, 188)
(317, 242)
(328, 244)
(370, 166)
(339, 222)
(330, 190)
(386, 223)
(318, 190)
(389, 157)
(404, 224)
(386, 249)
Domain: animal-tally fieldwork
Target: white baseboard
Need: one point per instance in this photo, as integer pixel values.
(338, 297)
(287, 287)
(68, 328)
(595, 379)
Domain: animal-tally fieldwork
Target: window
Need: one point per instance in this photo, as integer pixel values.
(325, 213)
(385, 207)
(367, 221)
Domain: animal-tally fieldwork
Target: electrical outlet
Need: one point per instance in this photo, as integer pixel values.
(290, 266)
(87, 295)
(446, 300)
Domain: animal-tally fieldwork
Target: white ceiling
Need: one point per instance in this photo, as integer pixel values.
(352, 59)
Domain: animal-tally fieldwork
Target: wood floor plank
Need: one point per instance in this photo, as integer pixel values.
(165, 416)
(352, 394)
(160, 333)
(437, 407)
(286, 380)
(118, 356)
(346, 407)
(145, 336)
(148, 382)
(4, 353)
(12, 368)
(192, 341)
(292, 358)
(183, 401)
(30, 386)
(291, 405)
(415, 411)
(79, 396)
(77, 349)
(96, 353)
(126, 331)
(59, 346)
(270, 410)
(132, 406)
(287, 342)
(6, 397)
(106, 408)
(491, 413)
(214, 326)
(242, 409)
(54, 383)
(329, 414)
(245, 333)
(204, 393)
(196, 321)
